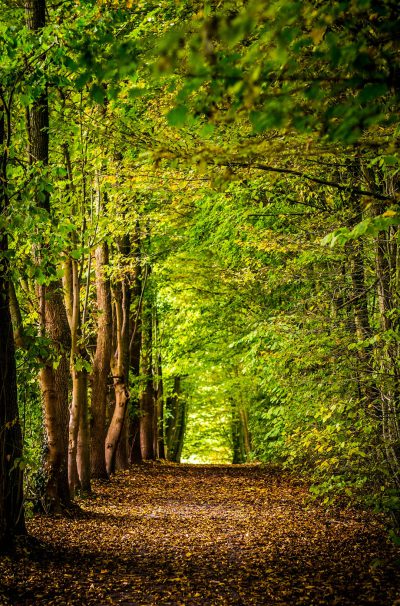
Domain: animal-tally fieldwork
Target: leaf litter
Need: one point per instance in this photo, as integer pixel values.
(194, 535)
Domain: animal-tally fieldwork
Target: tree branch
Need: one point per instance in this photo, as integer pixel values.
(297, 173)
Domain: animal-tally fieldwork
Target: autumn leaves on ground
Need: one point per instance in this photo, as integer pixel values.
(168, 534)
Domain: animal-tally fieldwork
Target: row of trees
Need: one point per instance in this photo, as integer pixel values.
(76, 289)
(199, 217)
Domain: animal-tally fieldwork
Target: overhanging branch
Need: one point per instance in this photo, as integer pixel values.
(296, 173)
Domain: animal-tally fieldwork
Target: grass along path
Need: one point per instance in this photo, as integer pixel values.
(196, 535)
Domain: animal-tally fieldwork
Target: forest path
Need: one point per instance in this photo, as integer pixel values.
(204, 535)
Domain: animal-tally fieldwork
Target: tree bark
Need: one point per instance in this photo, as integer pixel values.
(20, 339)
(11, 494)
(246, 432)
(159, 438)
(76, 373)
(54, 324)
(159, 409)
(12, 521)
(135, 454)
(175, 423)
(101, 364)
(78, 447)
(388, 300)
(366, 383)
(120, 371)
(135, 345)
(147, 392)
(83, 449)
(54, 387)
(122, 454)
(237, 438)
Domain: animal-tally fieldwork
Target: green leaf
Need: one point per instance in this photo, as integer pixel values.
(82, 80)
(177, 116)
(97, 93)
(372, 91)
(76, 254)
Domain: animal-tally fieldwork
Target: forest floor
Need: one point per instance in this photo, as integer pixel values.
(203, 535)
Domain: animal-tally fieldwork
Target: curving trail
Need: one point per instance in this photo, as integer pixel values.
(204, 535)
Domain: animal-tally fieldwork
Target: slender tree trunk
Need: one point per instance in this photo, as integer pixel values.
(159, 449)
(360, 307)
(244, 417)
(159, 399)
(135, 454)
(120, 370)
(78, 448)
(175, 423)
(101, 364)
(181, 429)
(156, 412)
(237, 438)
(366, 383)
(74, 418)
(159, 441)
(12, 520)
(122, 454)
(239, 427)
(147, 392)
(77, 384)
(54, 324)
(20, 339)
(123, 450)
(83, 451)
(54, 386)
(11, 495)
(388, 356)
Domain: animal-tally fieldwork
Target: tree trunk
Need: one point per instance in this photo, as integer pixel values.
(78, 462)
(175, 423)
(123, 450)
(12, 520)
(11, 494)
(237, 433)
(135, 345)
(77, 384)
(101, 364)
(387, 298)
(122, 454)
(244, 417)
(366, 384)
(135, 454)
(74, 418)
(120, 370)
(181, 429)
(20, 339)
(358, 321)
(147, 391)
(54, 324)
(83, 451)
(54, 386)
(159, 409)
(155, 426)
(159, 446)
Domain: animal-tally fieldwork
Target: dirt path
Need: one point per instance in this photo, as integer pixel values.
(192, 535)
